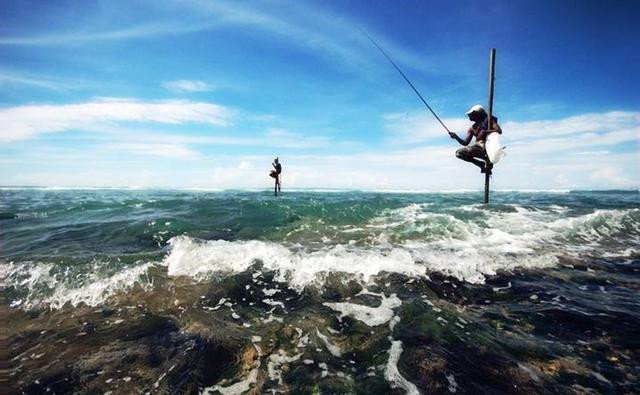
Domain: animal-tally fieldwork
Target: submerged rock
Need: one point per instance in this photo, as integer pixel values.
(137, 351)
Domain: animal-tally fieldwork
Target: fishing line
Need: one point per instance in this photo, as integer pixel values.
(406, 79)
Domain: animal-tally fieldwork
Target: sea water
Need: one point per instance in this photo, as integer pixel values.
(320, 291)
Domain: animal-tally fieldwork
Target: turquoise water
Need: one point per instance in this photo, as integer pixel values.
(322, 291)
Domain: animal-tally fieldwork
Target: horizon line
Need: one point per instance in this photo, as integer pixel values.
(311, 189)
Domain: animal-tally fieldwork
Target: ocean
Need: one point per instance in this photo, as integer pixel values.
(178, 291)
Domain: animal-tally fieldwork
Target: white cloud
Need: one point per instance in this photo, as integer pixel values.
(406, 128)
(278, 132)
(611, 176)
(304, 25)
(188, 86)
(580, 151)
(273, 137)
(139, 31)
(107, 117)
(583, 160)
(24, 122)
(575, 125)
(319, 29)
(409, 128)
(579, 144)
(175, 151)
(423, 168)
(39, 82)
(282, 138)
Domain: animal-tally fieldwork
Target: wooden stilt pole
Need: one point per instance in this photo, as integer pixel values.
(492, 63)
(486, 188)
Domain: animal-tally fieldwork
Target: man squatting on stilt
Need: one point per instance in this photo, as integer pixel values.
(476, 153)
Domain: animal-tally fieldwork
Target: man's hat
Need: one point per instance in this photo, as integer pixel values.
(476, 108)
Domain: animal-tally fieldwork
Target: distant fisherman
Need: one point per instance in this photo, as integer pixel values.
(476, 153)
(276, 174)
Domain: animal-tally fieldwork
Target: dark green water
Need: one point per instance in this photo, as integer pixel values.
(320, 292)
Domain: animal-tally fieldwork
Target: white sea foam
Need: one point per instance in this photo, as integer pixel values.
(276, 360)
(332, 348)
(96, 292)
(409, 240)
(37, 280)
(453, 385)
(468, 250)
(371, 316)
(271, 302)
(465, 250)
(199, 259)
(234, 389)
(392, 374)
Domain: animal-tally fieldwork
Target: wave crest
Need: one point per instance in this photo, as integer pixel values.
(199, 259)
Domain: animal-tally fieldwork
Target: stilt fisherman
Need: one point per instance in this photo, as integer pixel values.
(476, 152)
(275, 173)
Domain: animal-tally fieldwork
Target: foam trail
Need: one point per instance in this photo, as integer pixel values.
(333, 349)
(276, 360)
(392, 374)
(372, 316)
(234, 389)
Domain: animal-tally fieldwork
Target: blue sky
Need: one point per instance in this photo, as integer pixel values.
(203, 94)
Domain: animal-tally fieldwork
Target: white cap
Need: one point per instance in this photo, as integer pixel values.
(476, 108)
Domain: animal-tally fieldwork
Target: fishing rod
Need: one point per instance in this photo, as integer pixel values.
(406, 79)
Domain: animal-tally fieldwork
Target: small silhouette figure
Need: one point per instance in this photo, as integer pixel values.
(276, 175)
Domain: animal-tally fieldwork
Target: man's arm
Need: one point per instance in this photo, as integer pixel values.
(466, 140)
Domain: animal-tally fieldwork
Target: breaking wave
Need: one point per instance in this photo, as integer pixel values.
(40, 285)
(199, 259)
(466, 250)
(468, 242)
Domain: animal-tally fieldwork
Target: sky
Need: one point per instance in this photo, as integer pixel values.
(204, 94)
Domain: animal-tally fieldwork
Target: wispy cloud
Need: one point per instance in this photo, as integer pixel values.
(419, 168)
(580, 157)
(584, 129)
(577, 144)
(83, 36)
(188, 86)
(176, 151)
(411, 128)
(316, 28)
(573, 152)
(273, 137)
(575, 125)
(306, 26)
(7, 79)
(612, 176)
(24, 122)
(278, 137)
